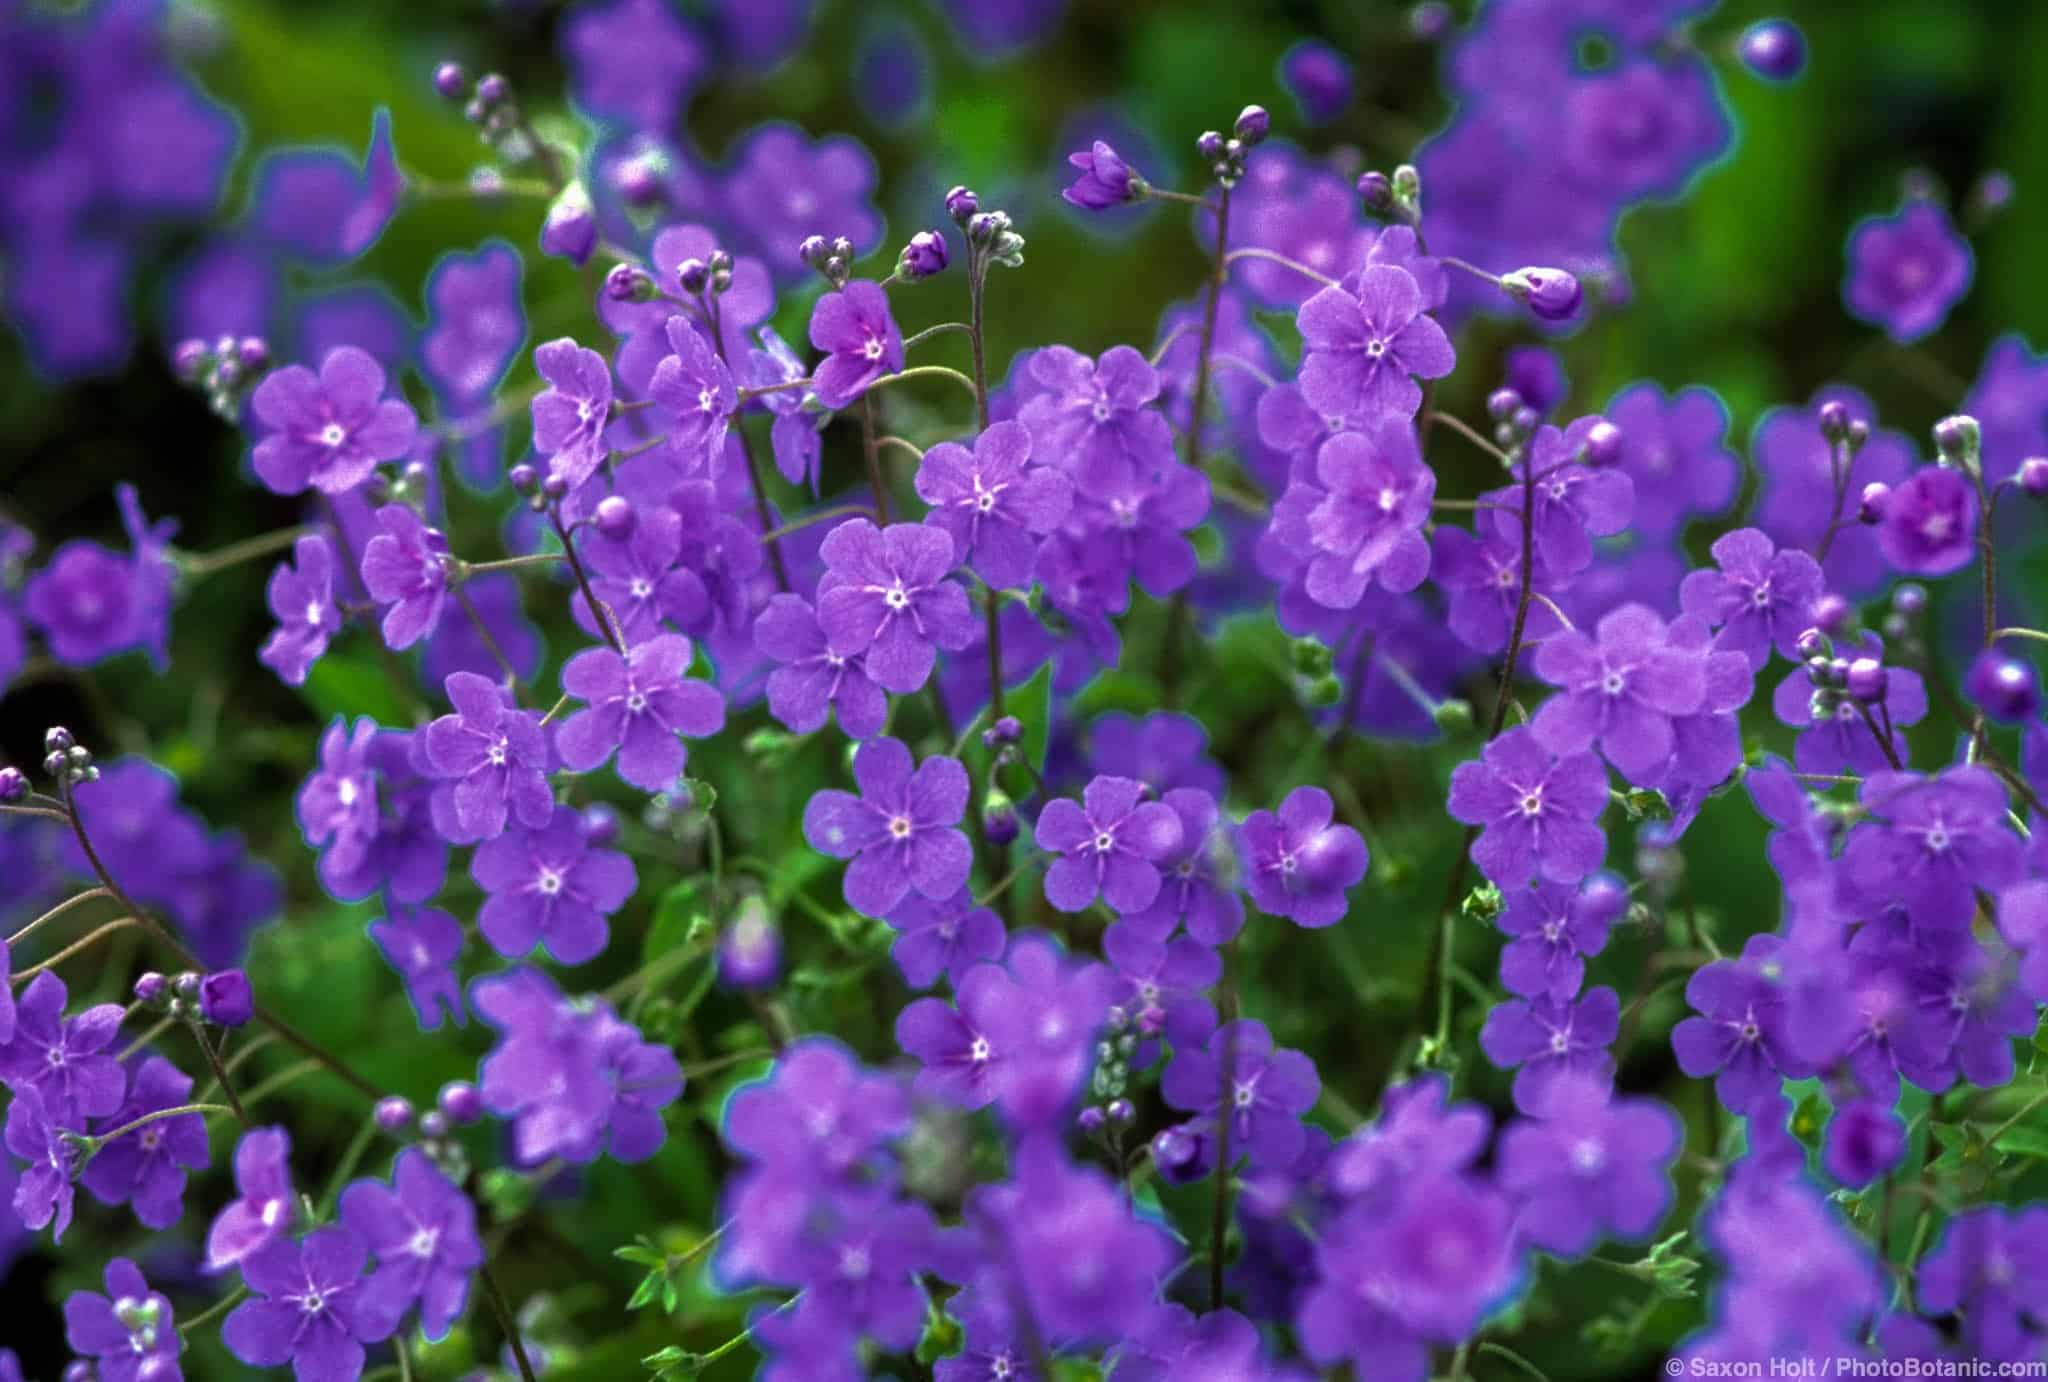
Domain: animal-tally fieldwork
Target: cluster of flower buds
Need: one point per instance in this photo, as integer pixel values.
(1842, 430)
(1315, 677)
(992, 237)
(226, 370)
(630, 283)
(1225, 155)
(1396, 198)
(407, 486)
(696, 277)
(1958, 442)
(1108, 1102)
(67, 760)
(1861, 679)
(1514, 421)
(537, 492)
(488, 105)
(833, 259)
(222, 998)
(923, 257)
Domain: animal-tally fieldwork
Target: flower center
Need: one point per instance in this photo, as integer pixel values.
(1614, 683)
(1935, 527)
(978, 1051)
(896, 597)
(1552, 930)
(1559, 1043)
(1104, 842)
(313, 612)
(1937, 838)
(498, 751)
(1587, 1156)
(1100, 410)
(333, 434)
(423, 1242)
(1374, 349)
(899, 827)
(1532, 802)
(1243, 1094)
(872, 348)
(707, 401)
(640, 588)
(550, 882)
(1388, 499)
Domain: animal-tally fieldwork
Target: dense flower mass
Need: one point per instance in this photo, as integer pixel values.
(1250, 843)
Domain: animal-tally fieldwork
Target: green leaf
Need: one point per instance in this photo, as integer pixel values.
(676, 917)
(351, 685)
(2023, 1141)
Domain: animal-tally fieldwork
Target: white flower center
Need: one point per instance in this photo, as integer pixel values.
(333, 434)
(314, 609)
(899, 827)
(872, 348)
(550, 882)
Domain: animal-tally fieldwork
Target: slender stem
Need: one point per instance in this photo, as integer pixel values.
(483, 631)
(931, 331)
(785, 386)
(479, 568)
(2015, 632)
(2009, 1124)
(1168, 342)
(346, 1167)
(1459, 425)
(555, 710)
(1244, 366)
(282, 1079)
(598, 611)
(1472, 269)
(1840, 463)
(1219, 1208)
(1188, 199)
(902, 444)
(1219, 274)
(292, 1036)
(158, 1116)
(821, 516)
(57, 911)
(213, 1311)
(235, 553)
(923, 372)
(1987, 561)
(1884, 741)
(90, 939)
(505, 1320)
(156, 1030)
(220, 1074)
(1251, 252)
(977, 276)
(871, 453)
(763, 513)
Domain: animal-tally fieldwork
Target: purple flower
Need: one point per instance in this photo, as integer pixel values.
(265, 1208)
(633, 60)
(1837, 739)
(695, 389)
(1482, 578)
(1592, 1164)
(637, 705)
(1555, 926)
(1362, 518)
(84, 601)
(309, 1308)
(1298, 863)
(1798, 504)
(494, 756)
(34, 1134)
(225, 998)
(885, 594)
(1741, 1035)
(1622, 690)
(1098, 419)
(1190, 891)
(1930, 523)
(302, 599)
(1640, 128)
(784, 187)
(1991, 1268)
(1110, 845)
(549, 885)
(1161, 983)
(816, 1114)
(943, 936)
(1575, 503)
(405, 566)
(1865, 1139)
(1761, 597)
(1906, 271)
(475, 325)
(1163, 750)
(423, 1231)
(421, 943)
(61, 1058)
(993, 505)
(1537, 811)
(860, 340)
(569, 231)
(1675, 451)
(966, 1048)
(637, 579)
(130, 1329)
(813, 681)
(1552, 295)
(570, 415)
(794, 435)
(1359, 352)
(1319, 78)
(1264, 1092)
(1105, 180)
(1554, 1043)
(901, 832)
(1933, 843)
(330, 430)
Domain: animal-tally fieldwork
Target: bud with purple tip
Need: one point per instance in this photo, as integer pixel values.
(570, 231)
(1551, 294)
(1831, 613)
(394, 1113)
(1865, 679)
(1376, 192)
(461, 1103)
(225, 998)
(1603, 444)
(999, 825)
(1870, 506)
(152, 989)
(1253, 124)
(1773, 49)
(924, 256)
(961, 205)
(693, 276)
(614, 517)
(451, 81)
(1958, 439)
(2005, 688)
(1105, 181)
(628, 283)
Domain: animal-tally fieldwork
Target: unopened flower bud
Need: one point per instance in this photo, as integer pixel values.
(1091, 1119)
(924, 256)
(188, 361)
(2034, 476)
(1376, 192)
(614, 517)
(1909, 598)
(1773, 49)
(394, 1113)
(186, 986)
(492, 88)
(2004, 687)
(1453, 716)
(433, 1126)
(1865, 680)
(1870, 507)
(999, 824)
(1253, 124)
(1812, 644)
(555, 488)
(600, 824)
(1120, 1111)
(461, 1103)
(1322, 691)
(1831, 613)
(694, 275)
(152, 988)
(1834, 419)
(1503, 404)
(57, 739)
(1857, 433)
(961, 205)
(1957, 438)
(524, 478)
(1552, 294)
(1007, 729)
(1603, 444)
(627, 283)
(570, 231)
(451, 81)
(225, 998)
(814, 251)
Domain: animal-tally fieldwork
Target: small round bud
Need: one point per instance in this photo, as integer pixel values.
(1210, 146)
(1323, 691)
(225, 998)
(253, 352)
(2034, 477)
(56, 765)
(842, 248)
(1091, 1119)
(433, 1126)
(1376, 192)
(614, 517)
(57, 739)
(982, 229)
(555, 488)
(924, 256)
(1503, 404)
(1430, 21)
(961, 205)
(813, 251)
(1551, 294)
(1993, 192)
(461, 1103)
(1453, 716)
(1407, 183)
(188, 361)
(451, 81)
(626, 283)
(1524, 421)
(1895, 626)
(721, 261)
(2004, 687)
(1838, 671)
(1812, 644)
(1832, 613)
(152, 988)
(1773, 49)
(1007, 729)
(394, 1113)
(721, 280)
(1870, 507)
(600, 824)
(1957, 439)
(1253, 124)
(492, 88)
(999, 825)
(1834, 419)
(186, 985)
(1909, 598)
(694, 275)
(525, 479)
(1857, 434)
(1311, 657)
(1820, 670)
(1603, 444)
(1865, 680)
(475, 111)
(1120, 1111)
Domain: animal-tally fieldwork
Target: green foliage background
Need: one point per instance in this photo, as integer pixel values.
(1737, 288)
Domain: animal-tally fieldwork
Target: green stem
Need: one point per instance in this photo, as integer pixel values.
(213, 1312)
(598, 610)
(923, 372)
(930, 331)
(235, 553)
(57, 911)
(156, 1117)
(1250, 252)
(505, 1320)
(220, 1074)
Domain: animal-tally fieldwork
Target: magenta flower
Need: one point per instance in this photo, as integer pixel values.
(301, 597)
(1537, 811)
(549, 885)
(901, 832)
(813, 681)
(860, 340)
(1105, 180)
(1930, 523)
(637, 705)
(405, 567)
(494, 758)
(331, 430)
(569, 417)
(995, 506)
(1906, 271)
(885, 594)
(695, 389)
(1298, 862)
(1359, 353)
(1110, 843)
(308, 1309)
